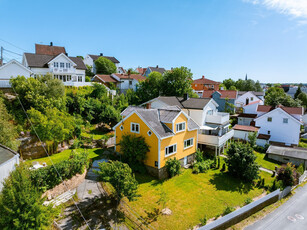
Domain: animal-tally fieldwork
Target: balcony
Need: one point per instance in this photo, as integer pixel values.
(217, 118)
(61, 70)
(214, 140)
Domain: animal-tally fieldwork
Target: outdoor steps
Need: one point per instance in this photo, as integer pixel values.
(63, 198)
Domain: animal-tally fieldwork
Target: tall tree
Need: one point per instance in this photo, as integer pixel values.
(298, 91)
(104, 66)
(277, 96)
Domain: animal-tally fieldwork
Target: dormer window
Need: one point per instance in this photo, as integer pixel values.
(56, 65)
(180, 127)
(61, 64)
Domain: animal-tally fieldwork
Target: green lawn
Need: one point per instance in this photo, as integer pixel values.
(264, 162)
(94, 133)
(58, 157)
(191, 197)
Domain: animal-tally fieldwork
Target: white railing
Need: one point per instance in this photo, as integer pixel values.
(77, 84)
(5, 84)
(62, 70)
(217, 118)
(215, 140)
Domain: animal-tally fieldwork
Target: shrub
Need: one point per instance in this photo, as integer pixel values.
(228, 210)
(260, 149)
(47, 177)
(134, 149)
(201, 167)
(120, 176)
(199, 155)
(203, 221)
(173, 167)
(288, 175)
(248, 200)
(241, 161)
(300, 169)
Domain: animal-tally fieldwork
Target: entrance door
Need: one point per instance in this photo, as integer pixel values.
(185, 161)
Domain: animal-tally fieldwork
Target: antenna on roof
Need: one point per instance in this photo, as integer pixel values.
(51, 43)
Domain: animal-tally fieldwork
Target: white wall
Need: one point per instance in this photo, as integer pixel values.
(304, 118)
(252, 108)
(124, 84)
(244, 120)
(261, 142)
(88, 60)
(242, 135)
(13, 70)
(6, 168)
(280, 132)
(241, 101)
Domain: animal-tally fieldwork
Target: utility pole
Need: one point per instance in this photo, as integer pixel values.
(1, 62)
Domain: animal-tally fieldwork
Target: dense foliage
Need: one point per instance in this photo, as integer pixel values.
(241, 161)
(105, 66)
(288, 175)
(202, 165)
(8, 132)
(252, 138)
(48, 177)
(173, 167)
(277, 96)
(120, 176)
(134, 149)
(242, 85)
(21, 205)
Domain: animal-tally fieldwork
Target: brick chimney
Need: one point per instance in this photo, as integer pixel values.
(157, 66)
(148, 106)
(101, 54)
(203, 77)
(51, 43)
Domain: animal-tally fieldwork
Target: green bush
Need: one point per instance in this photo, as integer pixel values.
(47, 177)
(288, 175)
(199, 155)
(228, 210)
(173, 167)
(300, 169)
(203, 166)
(203, 221)
(248, 200)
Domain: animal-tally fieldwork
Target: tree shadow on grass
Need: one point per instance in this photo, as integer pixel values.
(151, 217)
(226, 182)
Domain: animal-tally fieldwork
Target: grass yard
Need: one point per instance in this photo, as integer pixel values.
(264, 162)
(58, 157)
(94, 133)
(303, 143)
(191, 197)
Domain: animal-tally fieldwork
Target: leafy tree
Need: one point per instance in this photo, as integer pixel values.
(276, 96)
(134, 149)
(288, 175)
(242, 85)
(132, 97)
(105, 66)
(228, 83)
(241, 161)
(98, 91)
(177, 82)
(21, 205)
(120, 176)
(303, 98)
(87, 79)
(8, 132)
(173, 167)
(298, 91)
(109, 115)
(88, 71)
(252, 138)
(232, 88)
(132, 71)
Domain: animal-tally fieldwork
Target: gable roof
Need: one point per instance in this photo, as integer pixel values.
(137, 77)
(231, 94)
(13, 61)
(42, 60)
(157, 69)
(190, 103)
(247, 115)
(298, 153)
(240, 93)
(205, 81)
(245, 128)
(106, 78)
(282, 110)
(49, 50)
(290, 110)
(141, 70)
(112, 59)
(254, 102)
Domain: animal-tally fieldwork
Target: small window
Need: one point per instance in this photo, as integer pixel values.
(135, 128)
(210, 112)
(269, 132)
(188, 143)
(68, 65)
(56, 64)
(170, 150)
(180, 127)
(121, 128)
(130, 82)
(156, 163)
(252, 98)
(269, 119)
(149, 133)
(79, 78)
(61, 64)
(285, 120)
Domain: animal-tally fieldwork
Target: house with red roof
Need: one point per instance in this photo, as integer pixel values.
(201, 84)
(128, 81)
(106, 80)
(224, 98)
(247, 97)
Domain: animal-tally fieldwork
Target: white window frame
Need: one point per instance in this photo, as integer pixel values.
(269, 118)
(67, 65)
(62, 65)
(185, 146)
(167, 154)
(135, 124)
(121, 127)
(55, 64)
(285, 119)
(178, 124)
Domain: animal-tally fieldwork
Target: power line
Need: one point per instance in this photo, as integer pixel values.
(12, 44)
(49, 156)
(12, 52)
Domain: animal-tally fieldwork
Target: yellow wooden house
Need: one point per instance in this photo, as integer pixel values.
(169, 132)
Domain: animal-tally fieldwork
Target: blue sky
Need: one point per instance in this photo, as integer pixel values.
(265, 39)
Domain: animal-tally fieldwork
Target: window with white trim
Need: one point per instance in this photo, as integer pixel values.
(56, 64)
(149, 133)
(269, 119)
(169, 150)
(135, 127)
(68, 65)
(188, 143)
(180, 127)
(121, 128)
(285, 120)
(61, 64)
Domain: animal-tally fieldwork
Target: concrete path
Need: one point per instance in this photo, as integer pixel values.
(291, 215)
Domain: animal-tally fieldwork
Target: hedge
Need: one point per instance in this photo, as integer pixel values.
(47, 177)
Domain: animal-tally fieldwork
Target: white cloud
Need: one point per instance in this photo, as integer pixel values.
(295, 8)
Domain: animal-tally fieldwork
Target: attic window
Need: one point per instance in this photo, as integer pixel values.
(149, 133)
(56, 64)
(121, 128)
(252, 98)
(285, 120)
(180, 127)
(269, 119)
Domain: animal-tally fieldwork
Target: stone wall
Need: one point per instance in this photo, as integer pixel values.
(61, 188)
